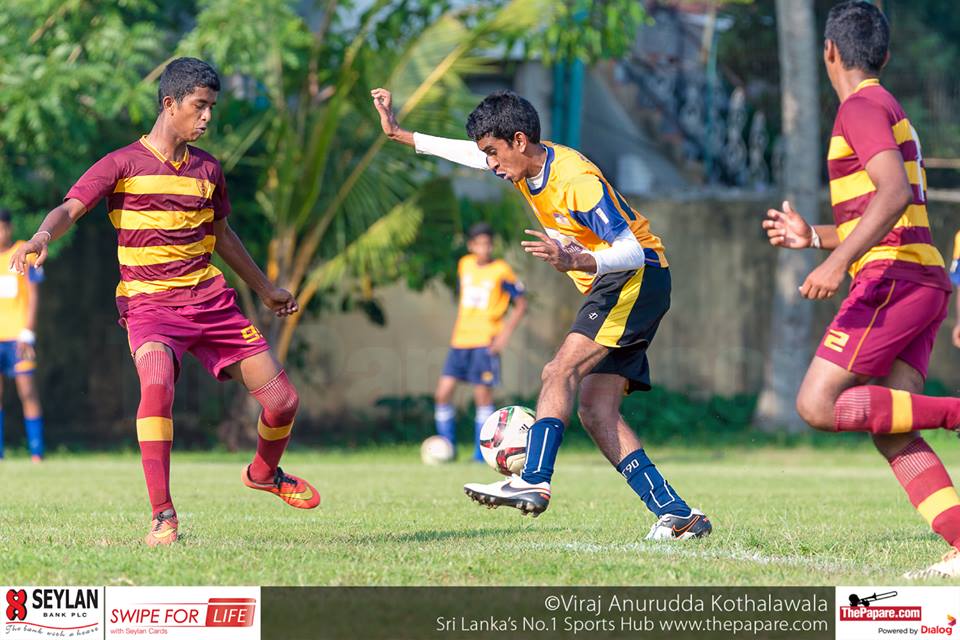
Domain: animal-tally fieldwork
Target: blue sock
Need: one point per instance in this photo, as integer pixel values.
(1, 433)
(446, 418)
(543, 443)
(481, 416)
(34, 435)
(657, 494)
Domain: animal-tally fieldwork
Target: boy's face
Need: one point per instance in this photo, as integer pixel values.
(507, 160)
(481, 246)
(191, 115)
(6, 233)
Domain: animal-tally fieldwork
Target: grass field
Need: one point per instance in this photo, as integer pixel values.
(781, 517)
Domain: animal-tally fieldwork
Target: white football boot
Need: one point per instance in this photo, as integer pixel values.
(670, 527)
(530, 499)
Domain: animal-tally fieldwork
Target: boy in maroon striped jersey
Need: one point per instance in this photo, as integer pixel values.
(168, 202)
(870, 367)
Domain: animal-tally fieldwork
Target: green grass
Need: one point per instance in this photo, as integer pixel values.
(781, 517)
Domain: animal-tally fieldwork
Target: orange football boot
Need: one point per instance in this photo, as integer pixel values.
(163, 531)
(295, 491)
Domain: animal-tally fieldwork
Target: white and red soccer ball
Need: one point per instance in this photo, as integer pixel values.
(503, 439)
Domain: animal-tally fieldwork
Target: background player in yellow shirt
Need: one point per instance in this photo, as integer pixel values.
(486, 289)
(605, 246)
(955, 279)
(19, 298)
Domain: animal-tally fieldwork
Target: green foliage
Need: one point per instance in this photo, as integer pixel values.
(587, 30)
(67, 69)
(334, 205)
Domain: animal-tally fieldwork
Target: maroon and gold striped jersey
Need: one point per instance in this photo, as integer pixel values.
(870, 121)
(163, 212)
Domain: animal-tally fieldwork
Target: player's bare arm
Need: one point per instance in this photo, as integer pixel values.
(54, 225)
(231, 249)
(550, 252)
(510, 325)
(383, 101)
(787, 229)
(893, 195)
(25, 344)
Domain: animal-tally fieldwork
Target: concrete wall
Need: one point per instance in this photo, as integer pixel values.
(714, 340)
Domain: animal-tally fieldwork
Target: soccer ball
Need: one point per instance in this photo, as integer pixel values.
(503, 439)
(436, 450)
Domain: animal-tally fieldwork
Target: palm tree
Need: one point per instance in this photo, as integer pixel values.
(341, 205)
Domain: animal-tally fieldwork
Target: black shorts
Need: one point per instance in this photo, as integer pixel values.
(622, 312)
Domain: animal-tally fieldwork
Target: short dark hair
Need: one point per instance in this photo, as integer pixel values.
(182, 76)
(5, 215)
(501, 115)
(479, 229)
(861, 33)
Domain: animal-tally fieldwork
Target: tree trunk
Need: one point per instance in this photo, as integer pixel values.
(789, 350)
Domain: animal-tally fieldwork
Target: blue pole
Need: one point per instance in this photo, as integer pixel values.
(558, 120)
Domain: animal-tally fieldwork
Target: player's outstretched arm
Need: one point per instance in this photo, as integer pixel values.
(231, 249)
(786, 228)
(464, 152)
(383, 102)
(54, 225)
(27, 337)
(519, 309)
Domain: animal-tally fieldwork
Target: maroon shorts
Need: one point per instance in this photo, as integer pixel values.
(883, 320)
(215, 331)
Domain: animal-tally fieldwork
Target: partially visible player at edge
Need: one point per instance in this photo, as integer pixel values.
(605, 246)
(168, 202)
(869, 369)
(19, 299)
(487, 288)
(955, 280)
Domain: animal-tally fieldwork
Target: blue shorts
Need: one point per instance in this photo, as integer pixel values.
(476, 366)
(10, 364)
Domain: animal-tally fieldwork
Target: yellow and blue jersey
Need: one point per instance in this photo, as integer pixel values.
(14, 296)
(955, 265)
(582, 211)
(485, 294)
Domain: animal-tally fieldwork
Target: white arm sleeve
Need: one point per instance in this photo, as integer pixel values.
(624, 254)
(463, 152)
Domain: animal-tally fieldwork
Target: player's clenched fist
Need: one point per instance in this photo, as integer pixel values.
(824, 281)
(787, 228)
(281, 302)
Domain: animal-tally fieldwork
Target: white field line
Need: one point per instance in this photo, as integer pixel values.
(684, 550)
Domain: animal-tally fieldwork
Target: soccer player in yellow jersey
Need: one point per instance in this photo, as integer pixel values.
(487, 287)
(19, 298)
(955, 280)
(594, 236)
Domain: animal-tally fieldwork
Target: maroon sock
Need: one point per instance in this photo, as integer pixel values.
(279, 401)
(881, 410)
(928, 485)
(155, 425)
